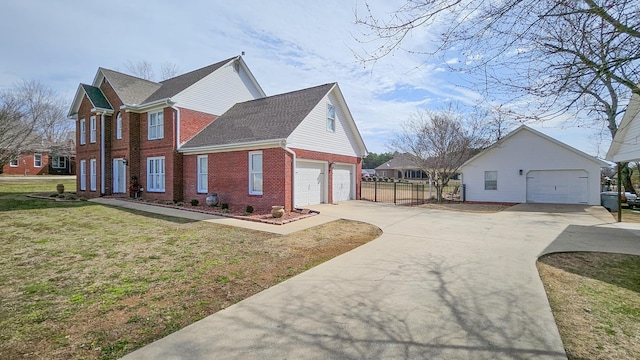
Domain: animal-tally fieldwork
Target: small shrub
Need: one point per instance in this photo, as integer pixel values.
(249, 209)
(180, 203)
(53, 195)
(195, 202)
(375, 178)
(224, 206)
(224, 211)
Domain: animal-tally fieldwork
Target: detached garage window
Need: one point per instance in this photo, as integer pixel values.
(255, 173)
(491, 180)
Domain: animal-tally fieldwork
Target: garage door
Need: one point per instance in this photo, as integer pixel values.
(558, 186)
(309, 183)
(342, 183)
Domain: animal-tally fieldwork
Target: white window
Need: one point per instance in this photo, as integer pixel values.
(255, 173)
(203, 173)
(331, 118)
(119, 126)
(155, 174)
(59, 162)
(13, 163)
(491, 180)
(156, 126)
(83, 132)
(92, 129)
(37, 160)
(83, 174)
(93, 169)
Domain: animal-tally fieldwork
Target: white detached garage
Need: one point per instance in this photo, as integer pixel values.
(529, 166)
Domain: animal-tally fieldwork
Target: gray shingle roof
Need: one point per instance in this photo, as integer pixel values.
(96, 96)
(399, 161)
(270, 118)
(173, 86)
(130, 89)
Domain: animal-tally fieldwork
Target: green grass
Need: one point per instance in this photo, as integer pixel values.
(82, 280)
(595, 298)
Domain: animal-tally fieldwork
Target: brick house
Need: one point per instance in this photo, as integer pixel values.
(295, 149)
(174, 137)
(51, 160)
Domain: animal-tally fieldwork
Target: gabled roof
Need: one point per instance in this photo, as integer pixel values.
(96, 97)
(629, 114)
(175, 85)
(399, 161)
(538, 133)
(130, 89)
(270, 118)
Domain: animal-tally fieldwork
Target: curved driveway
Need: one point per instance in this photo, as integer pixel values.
(436, 285)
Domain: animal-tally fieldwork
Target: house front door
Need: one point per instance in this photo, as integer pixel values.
(119, 176)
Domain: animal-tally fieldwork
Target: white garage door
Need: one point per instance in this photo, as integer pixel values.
(309, 183)
(342, 183)
(558, 186)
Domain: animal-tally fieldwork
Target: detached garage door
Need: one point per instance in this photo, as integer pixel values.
(309, 183)
(343, 183)
(558, 186)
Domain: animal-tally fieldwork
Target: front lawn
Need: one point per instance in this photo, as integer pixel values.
(595, 299)
(82, 280)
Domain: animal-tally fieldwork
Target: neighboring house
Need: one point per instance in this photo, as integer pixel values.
(527, 166)
(626, 144)
(213, 131)
(295, 149)
(401, 167)
(51, 160)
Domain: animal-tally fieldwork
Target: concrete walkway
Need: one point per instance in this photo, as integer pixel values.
(435, 285)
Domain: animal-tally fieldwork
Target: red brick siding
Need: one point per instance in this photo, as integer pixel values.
(26, 165)
(229, 178)
(191, 122)
(89, 150)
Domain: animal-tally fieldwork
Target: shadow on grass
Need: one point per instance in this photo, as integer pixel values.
(19, 201)
(151, 215)
(581, 240)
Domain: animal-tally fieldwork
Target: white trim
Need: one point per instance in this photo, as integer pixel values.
(252, 172)
(83, 175)
(202, 183)
(158, 126)
(119, 126)
(93, 126)
(331, 120)
(254, 145)
(156, 181)
(493, 187)
(150, 107)
(57, 166)
(92, 175)
(34, 160)
(11, 163)
(83, 132)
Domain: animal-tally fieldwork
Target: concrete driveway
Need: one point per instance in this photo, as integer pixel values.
(436, 285)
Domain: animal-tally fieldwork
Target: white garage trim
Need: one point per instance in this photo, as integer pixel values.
(310, 183)
(343, 182)
(558, 186)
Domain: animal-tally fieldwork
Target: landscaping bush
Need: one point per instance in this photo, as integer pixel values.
(249, 209)
(224, 206)
(195, 202)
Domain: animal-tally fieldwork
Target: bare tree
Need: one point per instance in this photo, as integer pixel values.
(169, 70)
(31, 114)
(438, 143)
(142, 69)
(579, 57)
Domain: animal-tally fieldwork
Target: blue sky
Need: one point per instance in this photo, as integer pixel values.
(289, 45)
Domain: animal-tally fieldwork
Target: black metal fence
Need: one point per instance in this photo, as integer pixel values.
(396, 192)
(403, 193)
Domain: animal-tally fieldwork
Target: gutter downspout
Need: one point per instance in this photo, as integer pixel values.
(283, 144)
(102, 165)
(177, 124)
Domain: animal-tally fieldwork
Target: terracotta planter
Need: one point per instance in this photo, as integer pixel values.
(60, 188)
(277, 211)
